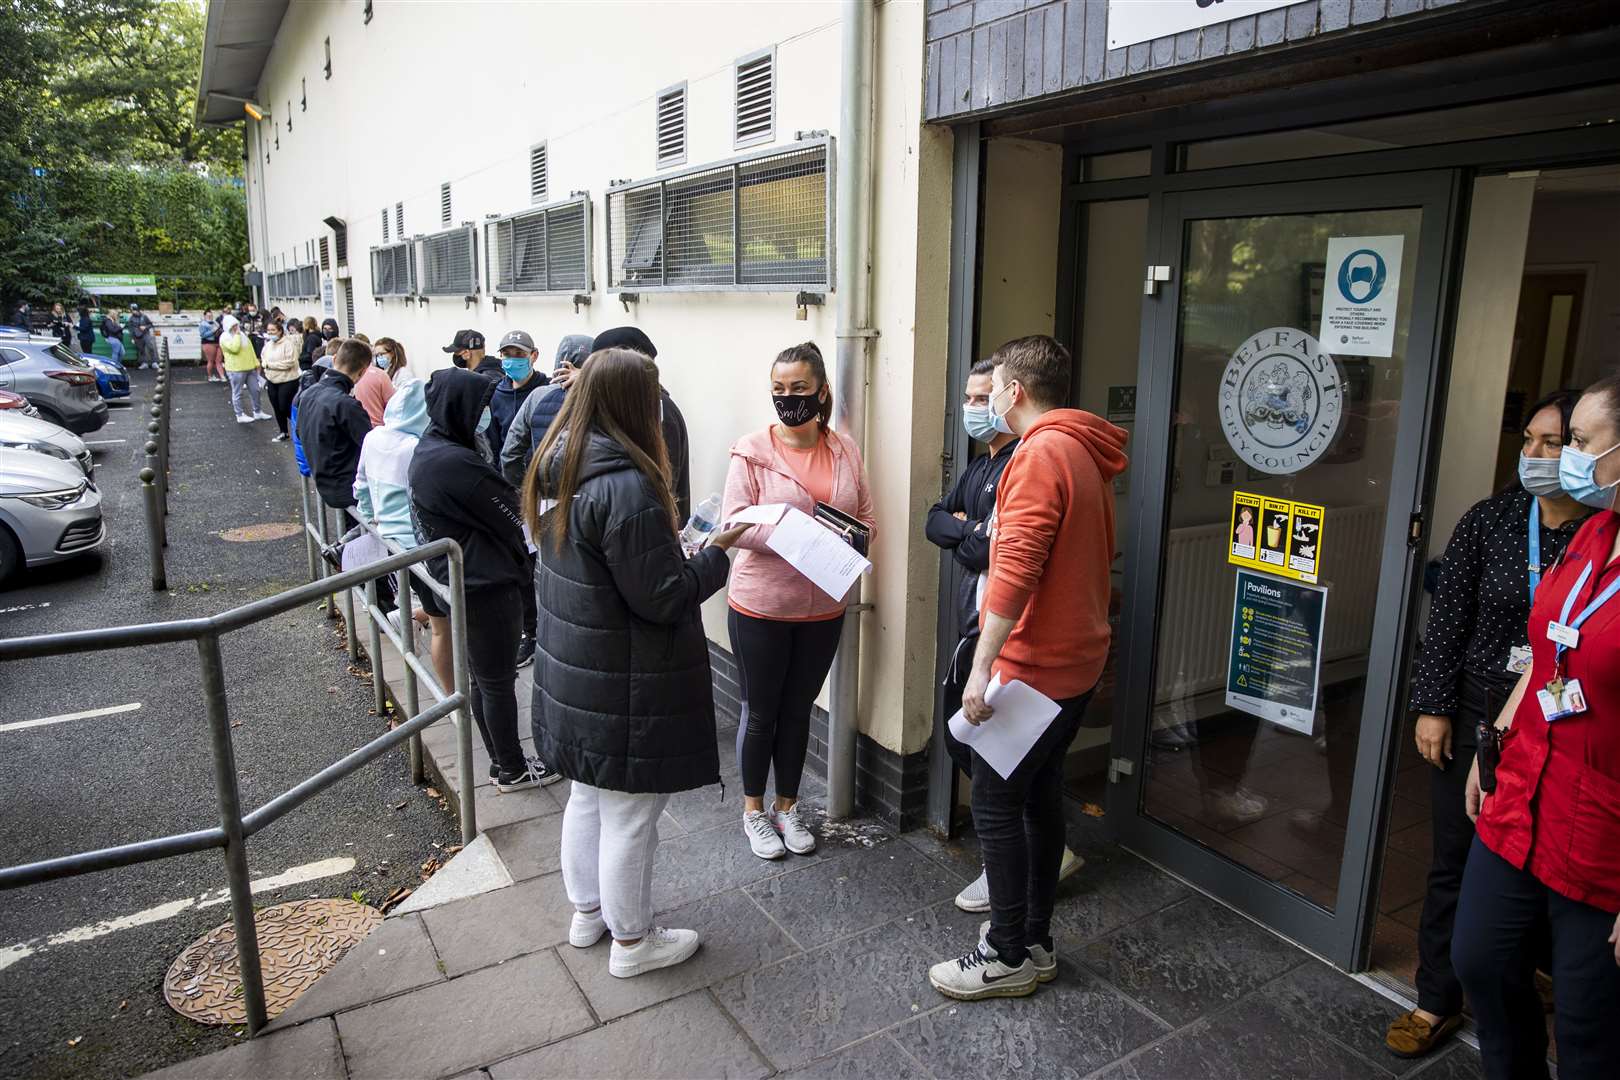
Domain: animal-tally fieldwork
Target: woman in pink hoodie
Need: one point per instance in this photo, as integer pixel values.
(784, 630)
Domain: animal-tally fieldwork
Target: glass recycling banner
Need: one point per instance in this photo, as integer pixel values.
(1274, 662)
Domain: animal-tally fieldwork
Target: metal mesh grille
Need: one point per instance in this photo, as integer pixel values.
(541, 250)
(568, 248)
(760, 223)
(672, 126)
(393, 270)
(448, 266)
(756, 99)
(309, 281)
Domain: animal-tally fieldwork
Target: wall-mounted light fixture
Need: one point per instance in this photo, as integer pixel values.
(254, 110)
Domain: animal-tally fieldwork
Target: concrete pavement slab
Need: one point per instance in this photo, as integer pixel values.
(878, 1056)
(306, 1052)
(474, 870)
(395, 957)
(529, 848)
(864, 888)
(466, 1022)
(499, 925)
(689, 1036)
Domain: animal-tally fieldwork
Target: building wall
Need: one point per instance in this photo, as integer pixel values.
(988, 53)
(404, 112)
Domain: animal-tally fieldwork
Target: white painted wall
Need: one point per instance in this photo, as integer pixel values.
(433, 91)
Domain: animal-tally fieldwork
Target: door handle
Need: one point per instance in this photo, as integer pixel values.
(1415, 530)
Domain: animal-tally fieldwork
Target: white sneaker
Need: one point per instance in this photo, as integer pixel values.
(1044, 959)
(980, 974)
(1238, 804)
(586, 929)
(790, 827)
(976, 897)
(244, 419)
(659, 949)
(762, 835)
(262, 416)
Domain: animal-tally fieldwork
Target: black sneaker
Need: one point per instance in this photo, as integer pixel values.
(494, 772)
(525, 651)
(536, 774)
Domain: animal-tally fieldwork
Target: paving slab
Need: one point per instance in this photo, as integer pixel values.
(850, 894)
(306, 1052)
(458, 1025)
(395, 957)
(878, 1056)
(496, 926)
(1341, 1008)
(472, 871)
(737, 937)
(714, 861)
(531, 847)
(687, 1037)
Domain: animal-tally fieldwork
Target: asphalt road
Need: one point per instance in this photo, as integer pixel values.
(82, 960)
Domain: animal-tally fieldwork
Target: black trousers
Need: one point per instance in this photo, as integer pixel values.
(1452, 836)
(1021, 836)
(531, 607)
(781, 666)
(281, 395)
(1495, 951)
(955, 682)
(494, 621)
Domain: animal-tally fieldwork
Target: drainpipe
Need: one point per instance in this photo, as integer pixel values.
(852, 290)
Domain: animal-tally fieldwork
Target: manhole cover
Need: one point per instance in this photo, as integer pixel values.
(270, 530)
(298, 943)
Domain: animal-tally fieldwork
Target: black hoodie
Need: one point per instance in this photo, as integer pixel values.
(455, 493)
(331, 426)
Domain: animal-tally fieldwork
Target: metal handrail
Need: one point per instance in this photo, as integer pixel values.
(235, 826)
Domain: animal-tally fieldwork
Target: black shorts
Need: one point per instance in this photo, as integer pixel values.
(427, 599)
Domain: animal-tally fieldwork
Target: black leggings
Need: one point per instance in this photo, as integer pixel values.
(494, 622)
(281, 395)
(781, 666)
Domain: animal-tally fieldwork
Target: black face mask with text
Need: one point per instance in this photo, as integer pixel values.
(796, 409)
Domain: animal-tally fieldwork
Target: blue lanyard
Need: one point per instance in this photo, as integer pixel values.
(1569, 602)
(1535, 546)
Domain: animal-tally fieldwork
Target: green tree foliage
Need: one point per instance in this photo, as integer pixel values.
(102, 165)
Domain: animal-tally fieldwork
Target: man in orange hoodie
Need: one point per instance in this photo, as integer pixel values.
(1044, 621)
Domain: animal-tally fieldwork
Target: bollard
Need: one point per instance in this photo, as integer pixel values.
(158, 527)
(154, 529)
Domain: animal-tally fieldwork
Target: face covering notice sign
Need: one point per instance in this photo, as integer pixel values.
(1360, 288)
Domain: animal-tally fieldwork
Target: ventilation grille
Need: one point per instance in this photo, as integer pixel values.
(449, 266)
(444, 204)
(348, 311)
(326, 255)
(672, 126)
(756, 99)
(299, 283)
(340, 234)
(538, 174)
(393, 270)
(399, 220)
(385, 224)
(759, 223)
(542, 251)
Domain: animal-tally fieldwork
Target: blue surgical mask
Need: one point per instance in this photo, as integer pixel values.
(517, 368)
(1001, 418)
(484, 419)
(1577, 475)
(979, 423)
(1539, 475)
(381, 359)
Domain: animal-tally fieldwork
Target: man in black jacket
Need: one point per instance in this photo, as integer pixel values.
(455, 493)
(332, 424)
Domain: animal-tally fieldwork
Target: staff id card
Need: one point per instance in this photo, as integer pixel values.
(1561, 698)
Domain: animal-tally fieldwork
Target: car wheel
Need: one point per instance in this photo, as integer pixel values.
(11, 557)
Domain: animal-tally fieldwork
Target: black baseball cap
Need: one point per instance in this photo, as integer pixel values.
(465, 339)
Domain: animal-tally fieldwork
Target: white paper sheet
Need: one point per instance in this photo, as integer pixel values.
(763, 514)
(1022, 715)
(818, 553)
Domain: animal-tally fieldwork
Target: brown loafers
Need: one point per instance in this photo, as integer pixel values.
(1411, 1036)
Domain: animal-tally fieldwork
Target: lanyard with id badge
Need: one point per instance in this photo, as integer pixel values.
(1519, 655)
(1563, 697)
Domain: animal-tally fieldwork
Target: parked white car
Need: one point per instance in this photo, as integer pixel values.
(49, 510)
(19, 432)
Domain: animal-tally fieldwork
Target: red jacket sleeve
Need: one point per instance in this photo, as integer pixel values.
(1031, 504)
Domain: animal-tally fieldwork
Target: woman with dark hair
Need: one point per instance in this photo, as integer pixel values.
(390, 356)
(311, 342)
(623, 702)
(784, 629)
(1544, 791)
(1474, 648)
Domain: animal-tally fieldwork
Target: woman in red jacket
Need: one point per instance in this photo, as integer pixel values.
(1547, 802)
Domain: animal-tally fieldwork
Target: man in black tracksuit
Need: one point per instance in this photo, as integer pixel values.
(455, 493)
(332, 424)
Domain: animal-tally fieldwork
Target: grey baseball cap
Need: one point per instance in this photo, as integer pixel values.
(519, 338)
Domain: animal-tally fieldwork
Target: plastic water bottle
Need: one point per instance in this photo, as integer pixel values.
(705, 516)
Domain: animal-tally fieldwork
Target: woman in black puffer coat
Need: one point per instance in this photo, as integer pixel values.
(623, 703)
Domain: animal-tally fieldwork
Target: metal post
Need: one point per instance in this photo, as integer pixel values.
(230, 820)
(154, 527)
(464, 722)
(320, 529)
(374, 647)
(351, 632)
(311, 552)
(407, 636)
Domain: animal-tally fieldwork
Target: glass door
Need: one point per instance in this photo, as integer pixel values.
(1288, 386)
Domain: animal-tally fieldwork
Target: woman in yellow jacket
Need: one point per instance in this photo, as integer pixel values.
(283, 342)
(242, 369)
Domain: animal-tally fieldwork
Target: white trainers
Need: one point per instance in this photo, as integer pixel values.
(976, 897)
(762, 835)
(586, 929)
(1044, 959)
(244, 419)
(790, 827)
(660, 948)
(980, 974)
(262, 415)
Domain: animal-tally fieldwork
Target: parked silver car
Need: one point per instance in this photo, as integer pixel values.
(19, 432)
(49, 510)
(54, 380)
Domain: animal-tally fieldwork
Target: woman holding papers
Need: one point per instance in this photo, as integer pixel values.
(784, 628)
(623, 703)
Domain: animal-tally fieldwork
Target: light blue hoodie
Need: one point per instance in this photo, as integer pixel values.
(380, 481)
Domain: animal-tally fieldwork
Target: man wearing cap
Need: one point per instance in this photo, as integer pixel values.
(466, 350)
(522, 437)
(140, 336)
(520, 377)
